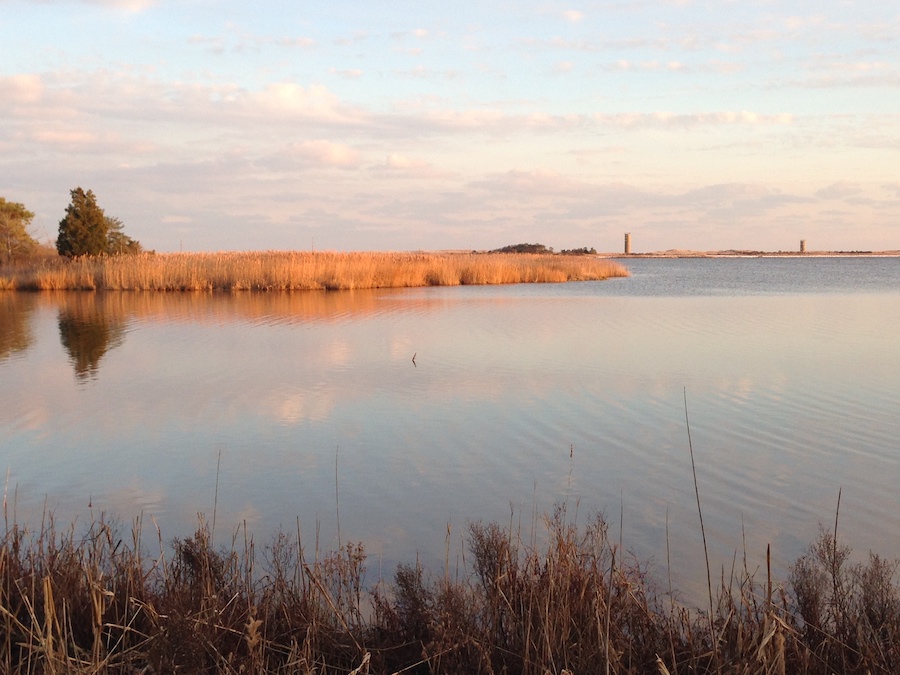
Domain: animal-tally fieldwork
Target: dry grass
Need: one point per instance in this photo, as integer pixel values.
(290, 271)
(98, 602)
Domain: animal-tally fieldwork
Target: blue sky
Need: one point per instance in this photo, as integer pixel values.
(216, 125)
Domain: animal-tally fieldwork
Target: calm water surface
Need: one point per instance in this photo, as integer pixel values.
(519, 397)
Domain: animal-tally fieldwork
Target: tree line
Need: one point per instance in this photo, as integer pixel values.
(543, 250)
(85, 230)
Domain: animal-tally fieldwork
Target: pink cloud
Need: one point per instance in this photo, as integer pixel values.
(840, 190)
(397, 164)
(327, 153)
(26, 88)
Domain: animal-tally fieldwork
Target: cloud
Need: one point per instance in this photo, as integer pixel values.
(305, 156)
(691, 120)
(106, 102)
(588, 155)
(738, 198)
(888, 80)
(573, 15)
(535, 183)
(495, 121)
(240, 43)
(852, 66)
(287, 99)
(78, 139)
(290, 96)
(71, 139)
(351, 73)
(25, 88)
(840, 190)
(395, 161)
(69, 107)
(594, 45)
(125, 5)
(399, 165)
(214, 45)
(582, 204)
(326, 153)
(795, 23)
(417, 33)
(422, 72)
(355, 38)
(302, 42)
(712, 66)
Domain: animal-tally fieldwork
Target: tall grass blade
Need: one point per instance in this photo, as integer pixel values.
(702, 533)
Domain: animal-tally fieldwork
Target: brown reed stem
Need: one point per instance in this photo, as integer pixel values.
(712, 628)
(337, 501)
(212, 535)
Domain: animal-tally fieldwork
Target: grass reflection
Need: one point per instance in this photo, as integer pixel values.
(15, 318)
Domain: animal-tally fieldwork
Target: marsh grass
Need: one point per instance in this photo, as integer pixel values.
(97, 600)
(294, 271)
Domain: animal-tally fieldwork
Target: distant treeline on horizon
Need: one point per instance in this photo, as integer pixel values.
(543, 250)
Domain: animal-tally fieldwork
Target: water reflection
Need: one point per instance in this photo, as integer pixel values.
(15, 320)
(304, 307)
(90, 324)
(519, 396)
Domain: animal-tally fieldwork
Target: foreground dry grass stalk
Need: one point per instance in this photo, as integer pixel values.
(291, 271)
(97, 602)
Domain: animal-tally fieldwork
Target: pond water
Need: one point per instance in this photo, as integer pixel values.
(307, 409)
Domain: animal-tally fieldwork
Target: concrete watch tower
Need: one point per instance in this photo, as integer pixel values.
(627, 243)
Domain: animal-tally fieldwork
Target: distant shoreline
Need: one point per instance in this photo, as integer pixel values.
(678, 253)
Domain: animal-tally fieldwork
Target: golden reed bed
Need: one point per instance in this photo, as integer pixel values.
(295, 271)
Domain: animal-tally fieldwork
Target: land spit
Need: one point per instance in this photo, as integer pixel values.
(295, 271)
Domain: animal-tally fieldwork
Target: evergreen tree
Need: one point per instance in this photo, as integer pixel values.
(14, 237)
(85, 229)
(119, 242)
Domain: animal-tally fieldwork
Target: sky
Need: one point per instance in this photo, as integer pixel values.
(405, 125)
